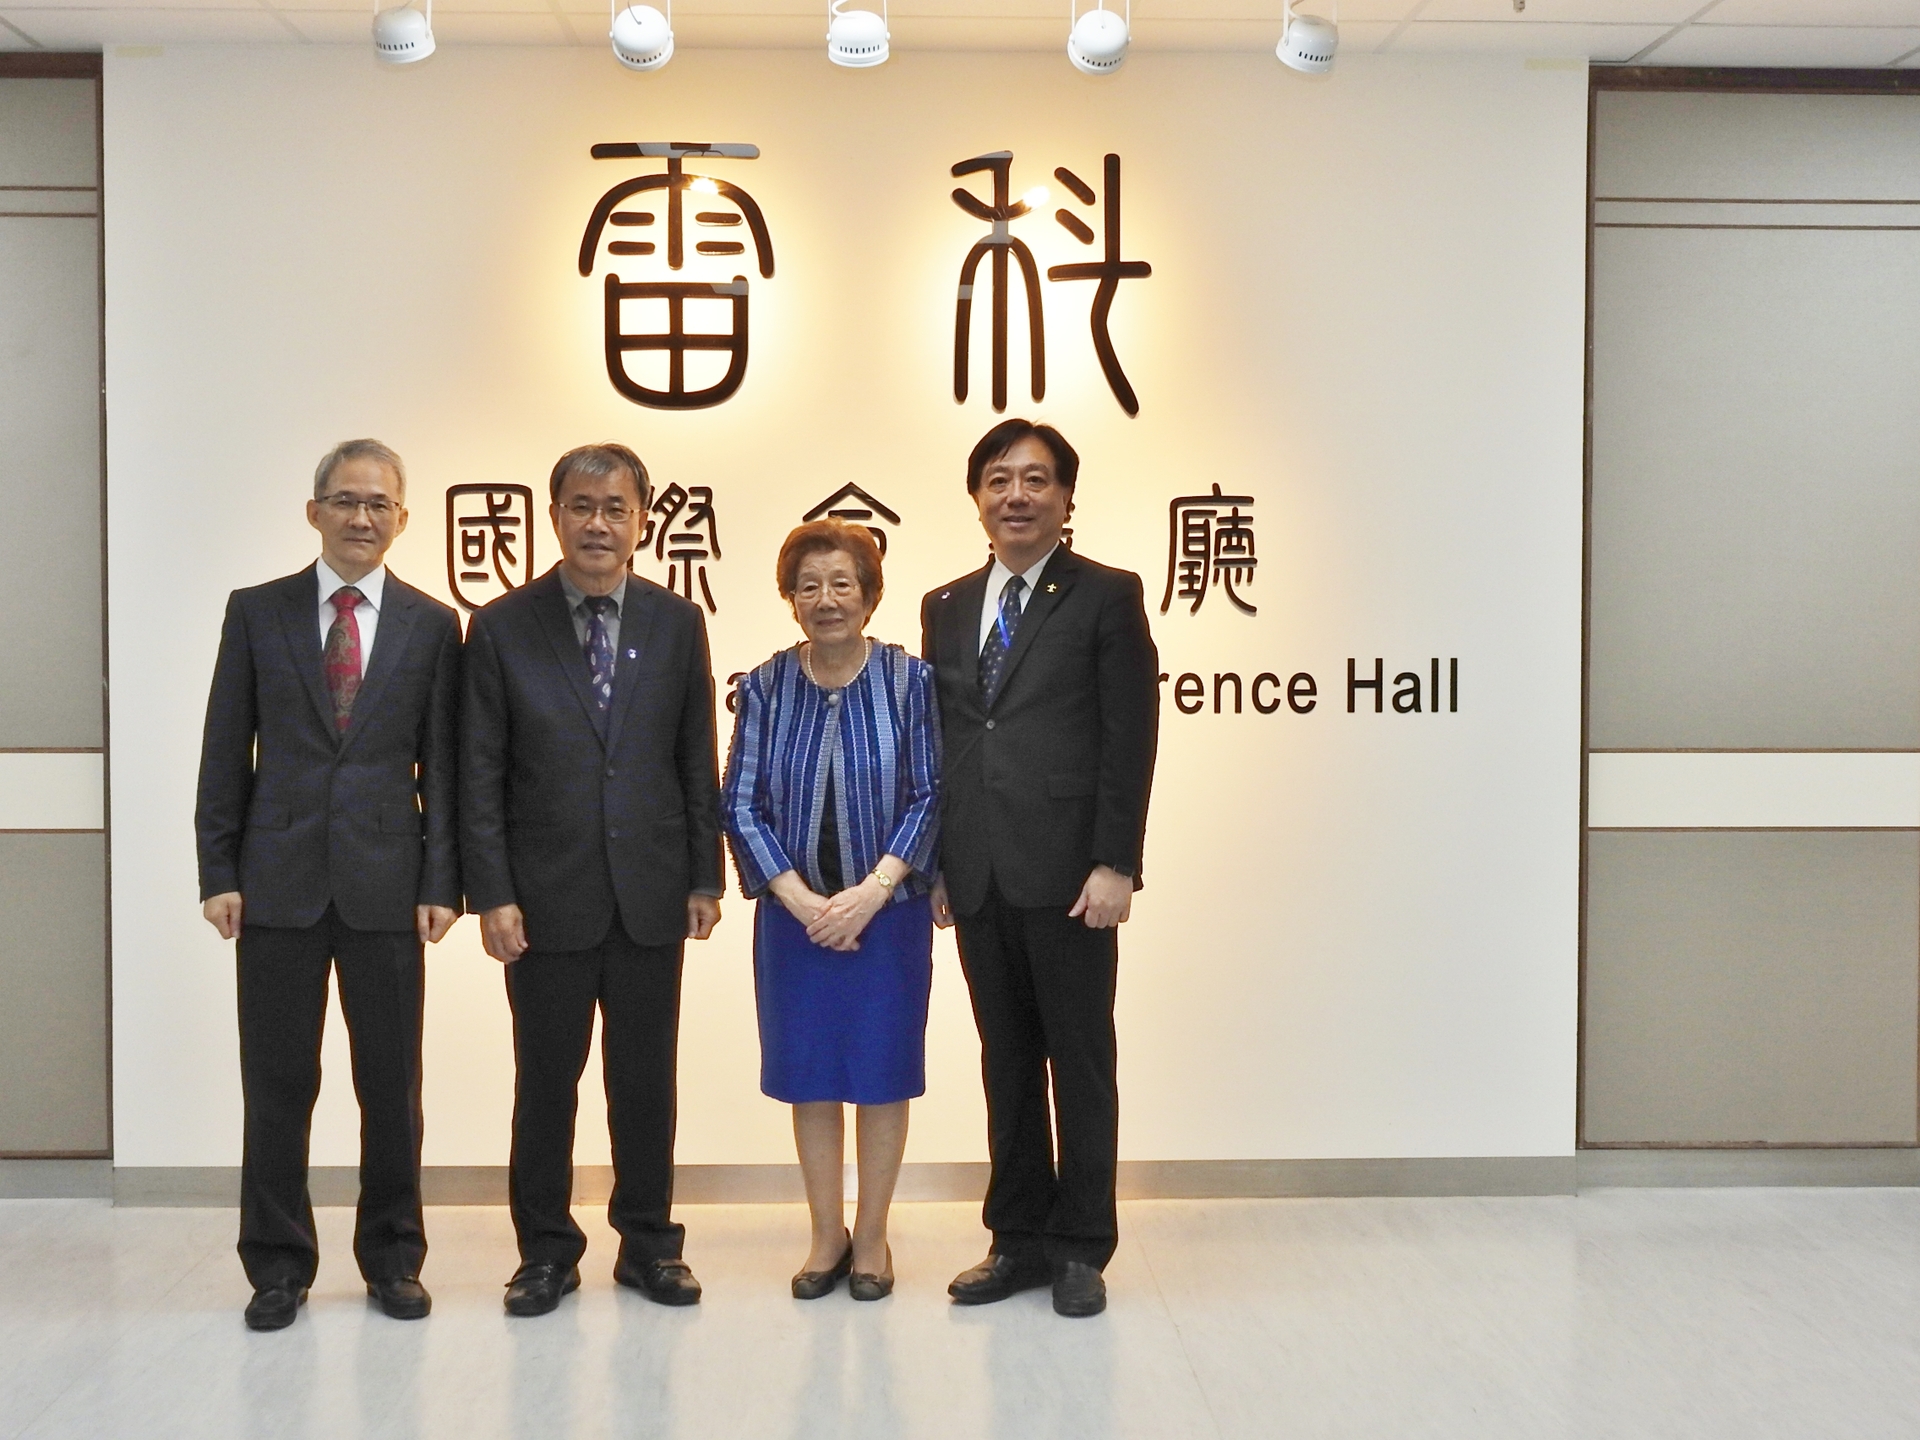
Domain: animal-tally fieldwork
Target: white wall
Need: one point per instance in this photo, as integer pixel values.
(1366, 310)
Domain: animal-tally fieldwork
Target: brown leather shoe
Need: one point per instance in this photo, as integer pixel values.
(866, 1286)
(665, 1282)
(814, 1284)
(997, 1277)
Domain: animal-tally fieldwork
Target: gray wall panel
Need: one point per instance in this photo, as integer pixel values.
(53, 999)
(1747, 988)
(49, 419)
(1756, 489)
(50, 482)
(47, 133)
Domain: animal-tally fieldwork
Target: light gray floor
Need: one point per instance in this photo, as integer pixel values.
(1736, 1313)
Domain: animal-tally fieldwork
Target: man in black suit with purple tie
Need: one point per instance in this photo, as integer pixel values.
(326, 836)
(1049, 703)
(590, 840)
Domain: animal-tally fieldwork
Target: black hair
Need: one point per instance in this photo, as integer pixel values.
(1009, 433)
(596, 461)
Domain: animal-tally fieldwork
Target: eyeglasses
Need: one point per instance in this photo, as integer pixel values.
(617, 512)
(841, 589)
(345, 505)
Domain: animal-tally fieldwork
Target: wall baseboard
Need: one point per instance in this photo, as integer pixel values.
(56, 1179)
(967, 1181)
(1705, 1169)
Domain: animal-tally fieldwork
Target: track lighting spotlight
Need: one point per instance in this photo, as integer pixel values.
(402, 35)
(642, 37)
(1307, 42)
(856, 38)
(1098, 41)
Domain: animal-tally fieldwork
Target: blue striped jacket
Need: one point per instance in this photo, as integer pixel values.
(881, 735)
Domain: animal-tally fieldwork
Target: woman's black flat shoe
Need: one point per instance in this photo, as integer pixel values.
(872, 1287)
(813, 1284)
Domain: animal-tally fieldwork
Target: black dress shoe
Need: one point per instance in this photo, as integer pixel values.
(1078, 1290)
(274, 1307)
(401, 1298)
(665, 1282)
(536, 1288)
(813, 1284)
(997, 1277)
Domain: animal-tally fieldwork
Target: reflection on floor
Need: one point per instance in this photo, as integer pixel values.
(1736, 1313)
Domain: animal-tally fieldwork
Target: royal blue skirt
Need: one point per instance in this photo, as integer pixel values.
(844, 1025)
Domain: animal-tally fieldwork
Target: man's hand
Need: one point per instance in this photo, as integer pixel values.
(503, 931)
(703, 913)
(223, 913)
(431, 922)
(846, 915)
(1106, 899)
(942, 906)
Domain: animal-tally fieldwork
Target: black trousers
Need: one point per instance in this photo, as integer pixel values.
(1042, 986)
(554, 994)
(283, 1009)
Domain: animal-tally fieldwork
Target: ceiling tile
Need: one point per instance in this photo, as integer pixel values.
(1593, 12)
(1605, 43)
(1826, 12)
(1783, 45)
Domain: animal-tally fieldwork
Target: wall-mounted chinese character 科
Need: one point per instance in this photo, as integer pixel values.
(660, 308)
(489, 541)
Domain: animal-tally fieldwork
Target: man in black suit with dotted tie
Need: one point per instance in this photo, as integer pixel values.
(1049, 702)
(327, 842)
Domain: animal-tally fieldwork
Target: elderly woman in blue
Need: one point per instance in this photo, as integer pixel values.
(832, 801)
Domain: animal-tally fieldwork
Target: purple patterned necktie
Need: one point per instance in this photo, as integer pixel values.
(993, 655)
(600, 649)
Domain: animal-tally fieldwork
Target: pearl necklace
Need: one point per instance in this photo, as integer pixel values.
(806, 663)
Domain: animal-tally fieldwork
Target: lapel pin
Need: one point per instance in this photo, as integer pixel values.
(946, 594)
(633, 654)
(1053, 589)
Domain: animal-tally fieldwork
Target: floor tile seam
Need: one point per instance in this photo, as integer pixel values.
(1179, 1334)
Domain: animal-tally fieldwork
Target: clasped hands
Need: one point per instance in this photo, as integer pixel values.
(833, 922)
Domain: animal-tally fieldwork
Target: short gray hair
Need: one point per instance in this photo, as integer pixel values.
(357, 450)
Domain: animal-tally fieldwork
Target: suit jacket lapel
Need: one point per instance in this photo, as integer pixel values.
(1055, 581)
(300, 619)
(636, 624)
(968, 596)
(389, 643)
(551, 606)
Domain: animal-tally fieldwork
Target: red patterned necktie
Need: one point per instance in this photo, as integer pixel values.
(342, 657)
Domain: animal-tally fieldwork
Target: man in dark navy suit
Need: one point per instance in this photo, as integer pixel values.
(590, 840)
(1050, 705)
(327, 842)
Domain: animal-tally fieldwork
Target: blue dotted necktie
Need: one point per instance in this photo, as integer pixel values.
(600, 649)
(993, 655)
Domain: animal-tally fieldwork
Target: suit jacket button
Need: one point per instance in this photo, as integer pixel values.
(609, 772)
(989, 724)
(613, 832)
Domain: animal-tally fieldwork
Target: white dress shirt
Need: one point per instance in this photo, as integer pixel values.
(997, 579)
(366, 614)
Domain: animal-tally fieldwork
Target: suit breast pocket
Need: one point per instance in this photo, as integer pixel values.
(399, 820)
